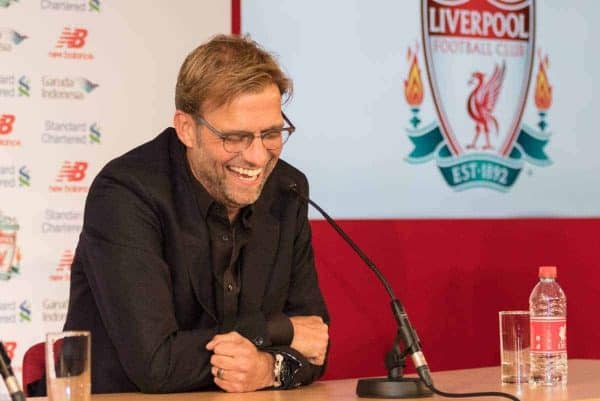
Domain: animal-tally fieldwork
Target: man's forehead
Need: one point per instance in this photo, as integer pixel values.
(215, 102)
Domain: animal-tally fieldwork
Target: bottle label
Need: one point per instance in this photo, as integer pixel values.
(548, 334)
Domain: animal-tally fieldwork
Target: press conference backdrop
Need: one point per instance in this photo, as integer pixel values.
(457, 142)
(389, 97)
(81, 81)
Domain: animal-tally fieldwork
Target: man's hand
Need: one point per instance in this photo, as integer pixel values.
(237, 365)
(311, 336)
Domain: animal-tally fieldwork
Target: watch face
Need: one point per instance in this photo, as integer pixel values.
(290, 366)
(285, 376)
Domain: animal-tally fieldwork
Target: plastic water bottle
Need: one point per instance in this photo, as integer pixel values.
(548, 334)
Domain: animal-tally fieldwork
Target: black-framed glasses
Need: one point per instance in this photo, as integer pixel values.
(238, 141)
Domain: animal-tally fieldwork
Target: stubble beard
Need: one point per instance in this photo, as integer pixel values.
(216, 185)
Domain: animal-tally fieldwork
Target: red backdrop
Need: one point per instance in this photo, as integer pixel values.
(453, 277)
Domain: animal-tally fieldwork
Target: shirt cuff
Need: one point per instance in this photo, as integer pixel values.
(280, 329)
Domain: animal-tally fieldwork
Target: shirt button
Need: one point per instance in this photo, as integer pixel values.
(259, 341)
(225, 237)
(229, 287)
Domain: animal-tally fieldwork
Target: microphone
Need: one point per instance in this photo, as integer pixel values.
(9, 378)
(395, 386)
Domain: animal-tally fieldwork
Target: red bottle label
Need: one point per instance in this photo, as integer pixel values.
(548, 334)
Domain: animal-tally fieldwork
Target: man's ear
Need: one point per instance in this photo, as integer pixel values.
(186, 128)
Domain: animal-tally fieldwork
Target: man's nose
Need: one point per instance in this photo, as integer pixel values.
(256, 154)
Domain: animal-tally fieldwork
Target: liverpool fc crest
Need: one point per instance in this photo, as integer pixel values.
(10, 255)
(479, 56)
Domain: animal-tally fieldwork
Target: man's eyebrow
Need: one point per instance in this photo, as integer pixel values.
(243, 132)
(274, 126)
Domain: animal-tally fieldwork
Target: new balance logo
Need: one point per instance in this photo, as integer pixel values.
(72, 38)
(72, 172)
(6, 123)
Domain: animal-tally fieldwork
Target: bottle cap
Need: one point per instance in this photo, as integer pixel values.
(547, 271)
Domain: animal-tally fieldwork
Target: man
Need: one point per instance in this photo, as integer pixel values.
(195, 264)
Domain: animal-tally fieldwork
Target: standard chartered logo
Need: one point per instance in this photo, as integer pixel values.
(11, 176)
(95, 134)
(24, 86)
(71, 133)
(25, 311)
(62, 221)
(82, 6)
(24, 177)
(11, 312)
(10, 86)
(94, 5)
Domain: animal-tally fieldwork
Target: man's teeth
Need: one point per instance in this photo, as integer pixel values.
(246, 171)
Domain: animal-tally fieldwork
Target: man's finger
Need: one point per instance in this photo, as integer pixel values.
(224, 362)
(234, 349)
(227, 386)
(232, 336)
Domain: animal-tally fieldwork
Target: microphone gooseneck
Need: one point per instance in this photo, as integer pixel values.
(395, 386)
(12, 385)
(405, 329)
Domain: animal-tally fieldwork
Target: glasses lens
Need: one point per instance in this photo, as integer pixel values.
(272, 140)
(275, 139)
(236, 143)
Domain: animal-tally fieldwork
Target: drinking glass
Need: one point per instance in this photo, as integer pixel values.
(514, 346)
(68, 368)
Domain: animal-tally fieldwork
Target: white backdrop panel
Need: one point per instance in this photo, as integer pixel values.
(348, 59)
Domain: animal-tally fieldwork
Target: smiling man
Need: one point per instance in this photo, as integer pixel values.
(195, 268)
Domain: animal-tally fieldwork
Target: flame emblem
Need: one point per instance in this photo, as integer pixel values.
(413, 85)
(543, 89)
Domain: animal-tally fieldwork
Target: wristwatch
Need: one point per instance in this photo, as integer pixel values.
(284, 370)
(277, 370)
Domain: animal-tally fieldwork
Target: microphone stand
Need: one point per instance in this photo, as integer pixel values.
(395, 385)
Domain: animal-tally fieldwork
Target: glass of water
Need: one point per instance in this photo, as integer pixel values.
(514, 346)
(68, 370)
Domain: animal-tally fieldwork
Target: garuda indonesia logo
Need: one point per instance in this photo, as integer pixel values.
(10, 255)
(479, 56)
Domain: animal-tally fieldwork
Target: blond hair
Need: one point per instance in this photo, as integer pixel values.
(223, 68)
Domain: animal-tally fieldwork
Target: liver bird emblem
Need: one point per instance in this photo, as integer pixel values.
(482, 101)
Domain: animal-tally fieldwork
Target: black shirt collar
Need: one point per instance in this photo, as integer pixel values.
(207, 204)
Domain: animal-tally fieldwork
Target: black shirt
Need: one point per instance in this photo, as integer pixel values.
(227, 241)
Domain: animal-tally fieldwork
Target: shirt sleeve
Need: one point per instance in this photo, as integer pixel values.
(280, 329)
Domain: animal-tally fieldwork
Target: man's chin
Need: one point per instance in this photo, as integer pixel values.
(242, 200)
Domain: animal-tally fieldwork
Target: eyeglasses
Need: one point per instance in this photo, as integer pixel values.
(238, 141)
